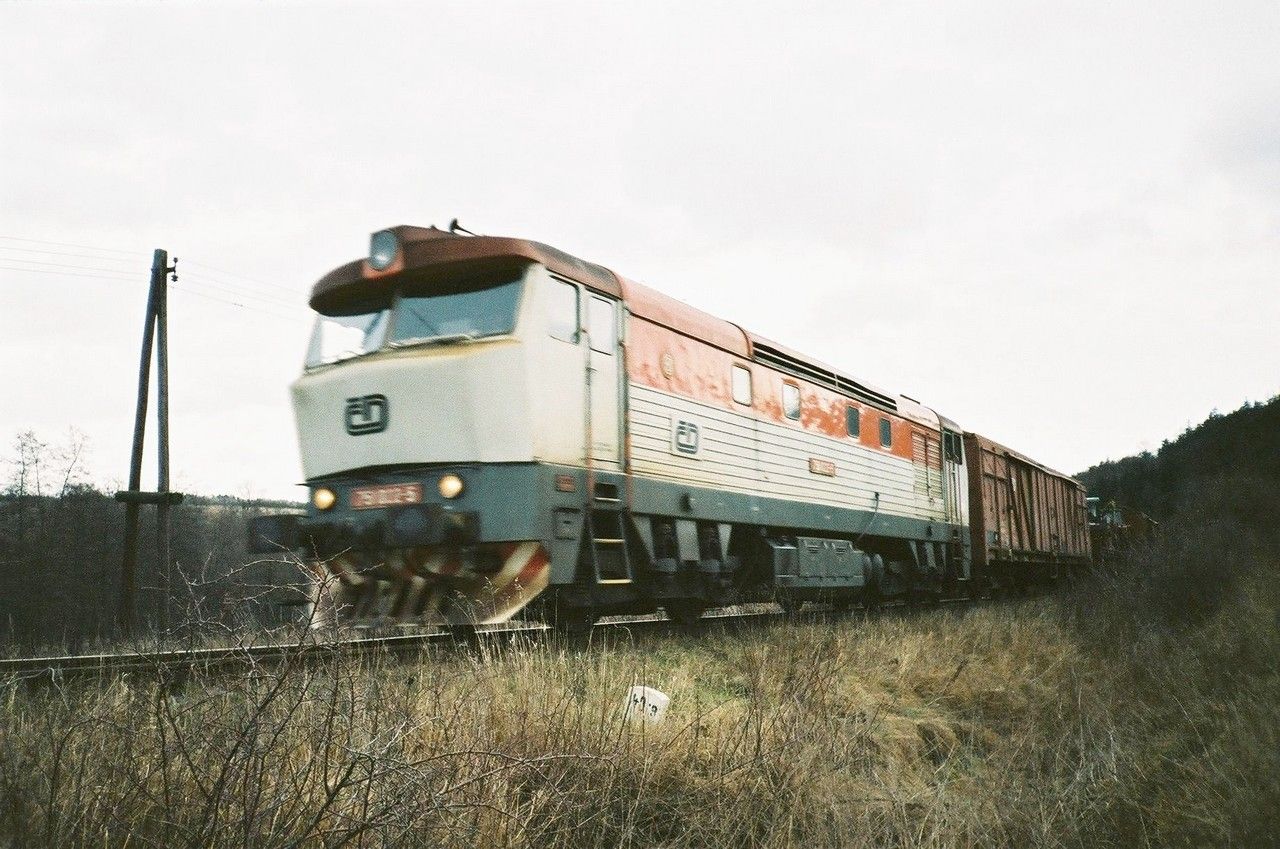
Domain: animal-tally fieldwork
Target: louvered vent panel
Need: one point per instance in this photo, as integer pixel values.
(789, 364)
(933, 456)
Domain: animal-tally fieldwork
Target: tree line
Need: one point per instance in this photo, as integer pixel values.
(1227, 466)
(61, 546)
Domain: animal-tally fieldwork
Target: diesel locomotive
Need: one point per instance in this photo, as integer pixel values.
(490, 426)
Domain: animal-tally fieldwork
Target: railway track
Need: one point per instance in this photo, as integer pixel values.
(52, 669)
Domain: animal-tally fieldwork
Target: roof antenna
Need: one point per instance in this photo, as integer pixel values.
(455, 227)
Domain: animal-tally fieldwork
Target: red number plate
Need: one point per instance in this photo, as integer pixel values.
(373, 497)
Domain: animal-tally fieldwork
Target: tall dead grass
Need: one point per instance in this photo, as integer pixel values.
(1029, 724)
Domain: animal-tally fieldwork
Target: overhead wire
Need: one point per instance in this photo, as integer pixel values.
(63, 273)
(242, 291)
(66, 245)
(218, 275)
(47, 264)
(121, 276)
(130, 258)
(252, 308)
(242, 277)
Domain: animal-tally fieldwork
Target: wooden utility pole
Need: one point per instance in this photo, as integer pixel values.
(155, 329)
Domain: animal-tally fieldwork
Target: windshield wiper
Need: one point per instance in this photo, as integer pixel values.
(447, 339)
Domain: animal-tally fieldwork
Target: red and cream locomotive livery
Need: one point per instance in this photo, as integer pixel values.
(490, 424)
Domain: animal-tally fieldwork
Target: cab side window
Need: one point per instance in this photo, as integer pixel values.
(791, 400)
(602, 327)
(742, 385)
(886, 433)
(563, 311)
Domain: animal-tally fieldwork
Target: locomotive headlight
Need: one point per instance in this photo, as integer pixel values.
(451, 486)
(324, 498)
(383, 249)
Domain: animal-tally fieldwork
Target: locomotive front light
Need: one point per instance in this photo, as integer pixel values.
(451, 486)
(383, 249)
(324, 498)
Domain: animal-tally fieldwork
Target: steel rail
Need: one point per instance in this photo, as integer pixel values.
(55, 668)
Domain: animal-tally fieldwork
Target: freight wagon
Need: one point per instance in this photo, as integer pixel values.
(1029, 524)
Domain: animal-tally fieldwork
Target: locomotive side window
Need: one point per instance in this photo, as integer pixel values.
(951, 445)
(853, 421)
(563, 311)
(741, 385)
(601, 326)
(791, 400)
(886, 433)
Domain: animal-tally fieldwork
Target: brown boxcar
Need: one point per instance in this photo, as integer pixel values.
(1027, 521)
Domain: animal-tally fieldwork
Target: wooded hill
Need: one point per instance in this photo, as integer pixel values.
(1232, 460)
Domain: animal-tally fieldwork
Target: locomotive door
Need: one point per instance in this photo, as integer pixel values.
(604, 381)
(954, 496)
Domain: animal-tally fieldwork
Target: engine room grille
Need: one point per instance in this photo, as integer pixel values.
(769, 356)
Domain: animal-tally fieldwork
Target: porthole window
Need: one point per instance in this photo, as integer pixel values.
(741, 385)
(563, 311)
(886, 433)
(791, 400)
(853, 421)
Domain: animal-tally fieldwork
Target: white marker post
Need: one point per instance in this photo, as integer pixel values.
(647, 703)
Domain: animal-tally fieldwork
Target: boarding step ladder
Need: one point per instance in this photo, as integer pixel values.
(610, 556)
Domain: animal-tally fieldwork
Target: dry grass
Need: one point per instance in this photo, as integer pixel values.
(1027, 724)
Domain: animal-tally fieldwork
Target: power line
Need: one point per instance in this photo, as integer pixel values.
(126, 256)
(119, 278)
(139, 258)
(47, 264)
(44, 267)
(63, 273)
(265, 312)
(68, 245)
(240, 276)
(214, 281)
(236, 290)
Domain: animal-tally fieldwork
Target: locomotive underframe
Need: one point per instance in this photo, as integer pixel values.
(636, 544)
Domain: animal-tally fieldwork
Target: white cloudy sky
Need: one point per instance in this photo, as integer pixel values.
(1058, 224)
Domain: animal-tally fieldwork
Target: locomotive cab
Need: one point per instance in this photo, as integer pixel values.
(445, 397)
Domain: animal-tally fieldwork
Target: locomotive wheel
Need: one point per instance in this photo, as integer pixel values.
(463, 633)
(789, 604)
(686, 614)
(871, 598)
(572, 623)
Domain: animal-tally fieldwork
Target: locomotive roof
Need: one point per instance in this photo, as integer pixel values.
(427, 253)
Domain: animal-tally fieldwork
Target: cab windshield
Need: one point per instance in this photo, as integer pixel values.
(457, 312)
(445, 313)
(341, 337)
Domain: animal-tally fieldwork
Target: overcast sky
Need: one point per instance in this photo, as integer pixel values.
(1058, 225)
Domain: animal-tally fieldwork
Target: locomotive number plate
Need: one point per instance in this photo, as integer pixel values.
(388, 495)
